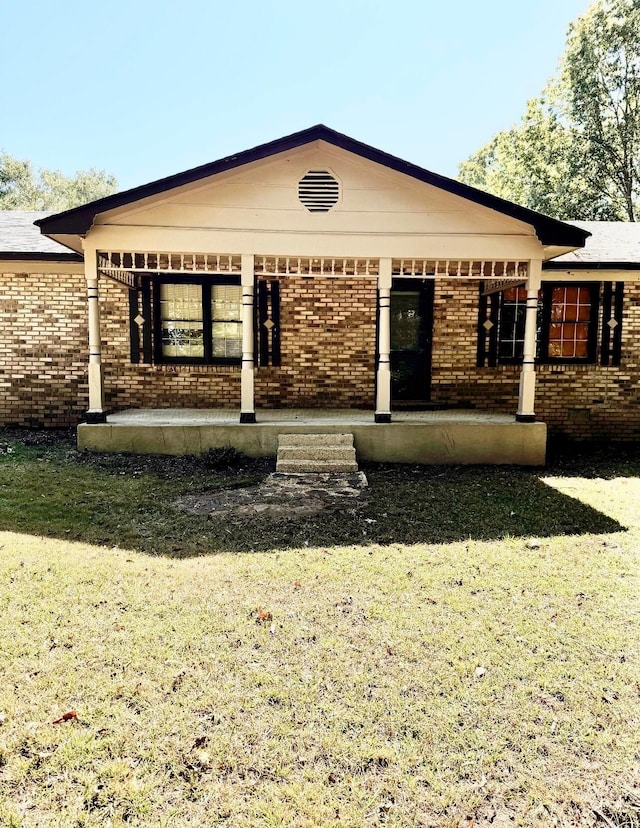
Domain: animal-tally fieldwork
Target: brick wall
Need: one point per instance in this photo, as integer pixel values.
(155, 386)
(582, 401)
(328, 352)
(43, 349)
(328, 345)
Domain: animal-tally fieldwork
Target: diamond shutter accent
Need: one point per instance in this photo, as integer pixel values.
(318, 191)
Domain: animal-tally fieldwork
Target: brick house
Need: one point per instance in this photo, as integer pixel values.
(317, 273)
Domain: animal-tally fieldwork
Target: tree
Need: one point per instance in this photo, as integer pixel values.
(24, 188)
(576, 151)
(602, 78)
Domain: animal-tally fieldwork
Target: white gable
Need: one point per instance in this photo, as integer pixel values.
(379, 212)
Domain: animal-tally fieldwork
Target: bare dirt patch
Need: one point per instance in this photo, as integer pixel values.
(282, 494)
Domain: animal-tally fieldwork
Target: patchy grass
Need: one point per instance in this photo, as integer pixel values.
(128, 501)
(489, 681)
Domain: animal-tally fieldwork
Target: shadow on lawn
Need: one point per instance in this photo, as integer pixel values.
(47, 488)
(592, 459)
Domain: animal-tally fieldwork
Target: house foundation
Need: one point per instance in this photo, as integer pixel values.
(433, 437)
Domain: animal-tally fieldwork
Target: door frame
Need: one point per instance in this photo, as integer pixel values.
(426, 290)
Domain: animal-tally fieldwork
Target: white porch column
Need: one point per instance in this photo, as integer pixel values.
(526, 398)
(247, 404)
(383, 391)
(96, 412)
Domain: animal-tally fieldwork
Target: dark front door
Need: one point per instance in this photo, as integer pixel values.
(411, 328)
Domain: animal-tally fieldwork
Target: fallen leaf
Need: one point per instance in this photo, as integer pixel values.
(480, 671)
(297, 585)
(262, 616)
(66, 717)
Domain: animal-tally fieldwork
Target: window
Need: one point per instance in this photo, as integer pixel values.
(181, 319)
(569, 312)
(511, 317)
(198, 321)
(567, 324)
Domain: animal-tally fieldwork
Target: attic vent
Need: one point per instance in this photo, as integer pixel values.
(318, 191)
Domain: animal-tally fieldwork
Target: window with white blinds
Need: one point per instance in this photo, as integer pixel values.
(198, 322)
(181, 317)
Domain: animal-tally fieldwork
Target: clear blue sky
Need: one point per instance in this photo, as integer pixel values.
(146, 88)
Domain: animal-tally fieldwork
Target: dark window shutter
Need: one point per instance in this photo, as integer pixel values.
(134, 329)
(482, 333)
(147, 325)
(493, 332)
(268, 323)
(263, 315)
(605, 342)
(275, 318)
(611, 340)
(616, 351)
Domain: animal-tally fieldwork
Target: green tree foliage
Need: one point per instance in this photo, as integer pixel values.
(576, 151)
(22, 187)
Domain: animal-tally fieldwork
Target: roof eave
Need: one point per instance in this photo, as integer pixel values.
(22, 256)
(591, 265)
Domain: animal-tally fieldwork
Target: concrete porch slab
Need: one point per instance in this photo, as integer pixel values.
(430, 437)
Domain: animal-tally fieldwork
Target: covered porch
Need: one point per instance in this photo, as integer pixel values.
(313, 283)
(447, 437)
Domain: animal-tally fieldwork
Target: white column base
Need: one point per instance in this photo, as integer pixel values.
(247, 409)
(526, 399)
(96, 387)
(383, 396)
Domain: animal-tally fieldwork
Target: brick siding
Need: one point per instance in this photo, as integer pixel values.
(580, 401)
(328, 358)
(43, 349)
(328, 345)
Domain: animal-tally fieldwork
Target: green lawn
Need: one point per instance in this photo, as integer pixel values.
(419, 661)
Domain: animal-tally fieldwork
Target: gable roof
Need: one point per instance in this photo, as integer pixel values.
(21, 241)
(613, 245)
(78, 220)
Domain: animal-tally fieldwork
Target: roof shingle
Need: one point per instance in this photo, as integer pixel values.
(19, 235)
(611, 242)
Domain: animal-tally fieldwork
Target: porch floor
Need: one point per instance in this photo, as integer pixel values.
(448, 436)
(293, 416)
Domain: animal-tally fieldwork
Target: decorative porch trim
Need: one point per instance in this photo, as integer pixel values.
(461, 269)
(498, 285)
(310, 266)
(121, 265)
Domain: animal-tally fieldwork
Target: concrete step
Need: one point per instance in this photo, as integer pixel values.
(300, 453)
(316, 453)
(319, 439)
(314, 466)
